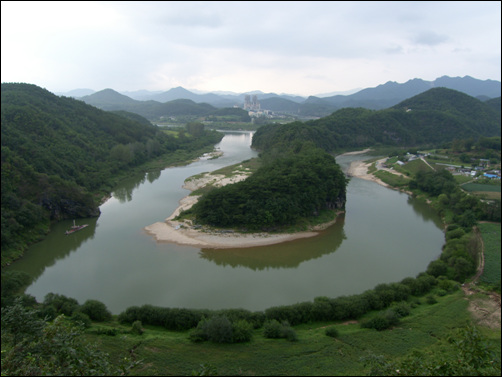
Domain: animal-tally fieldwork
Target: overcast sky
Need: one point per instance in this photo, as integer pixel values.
(304, 48)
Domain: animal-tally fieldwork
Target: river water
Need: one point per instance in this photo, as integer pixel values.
(383, 237)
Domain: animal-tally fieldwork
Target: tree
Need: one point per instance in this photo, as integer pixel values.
(96, 310)
(31, 347)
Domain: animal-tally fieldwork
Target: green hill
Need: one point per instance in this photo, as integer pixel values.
(433, 117)
(58, 153)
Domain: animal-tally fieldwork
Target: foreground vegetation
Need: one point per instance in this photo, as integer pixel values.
(419, 326)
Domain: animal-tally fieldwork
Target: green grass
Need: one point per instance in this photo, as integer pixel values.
(491, 239)
(480, 187)
(392, 179)
(171, 353)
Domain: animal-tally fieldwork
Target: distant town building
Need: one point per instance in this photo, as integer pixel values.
(251, 103)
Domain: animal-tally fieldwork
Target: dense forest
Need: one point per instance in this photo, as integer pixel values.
(430, 118)
(58, 153)
(292, 186)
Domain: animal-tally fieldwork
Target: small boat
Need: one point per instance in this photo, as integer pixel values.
(75, 228)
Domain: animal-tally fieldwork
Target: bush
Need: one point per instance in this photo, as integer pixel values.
(96, 310)
(382, 320)
(402, 309)
(242, 331)
(137, 328)
(289, 333)
(62, 304)
(272, 329)
(198, 335)
(82, 318)
(218, 329)
(332, 332)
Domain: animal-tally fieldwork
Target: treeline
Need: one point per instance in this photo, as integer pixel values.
(382, 297)
(287, 188)
(461, 212)
(431, 118)
(57, 153)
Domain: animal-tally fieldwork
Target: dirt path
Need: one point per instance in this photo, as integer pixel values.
(485, 310)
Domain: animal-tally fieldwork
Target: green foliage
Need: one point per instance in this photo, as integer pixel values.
(242, 331)
(332, 332)
(11, 284)
(56, 348)
(382, 320)
(58, 153)
(288, 188)
(81, 319)
(60, 303)
(491, 239)
(137, 328)
(96, 310)
(219, 329)
(436, 116)
(272, 329)
(473, 357)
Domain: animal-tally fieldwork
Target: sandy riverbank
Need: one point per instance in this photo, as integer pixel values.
(182, 233)
(359, 169)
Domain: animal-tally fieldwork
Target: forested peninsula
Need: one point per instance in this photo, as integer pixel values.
(60, 157)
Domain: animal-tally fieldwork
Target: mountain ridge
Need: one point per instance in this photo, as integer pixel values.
(376, 98)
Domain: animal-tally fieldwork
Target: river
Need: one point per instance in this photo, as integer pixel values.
(383, 237)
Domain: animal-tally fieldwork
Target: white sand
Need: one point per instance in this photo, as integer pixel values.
(182, 233)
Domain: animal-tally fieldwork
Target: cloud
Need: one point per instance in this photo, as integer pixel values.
(429, 38)
(296, 47)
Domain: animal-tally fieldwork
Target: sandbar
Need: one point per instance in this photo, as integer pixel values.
(184, 233)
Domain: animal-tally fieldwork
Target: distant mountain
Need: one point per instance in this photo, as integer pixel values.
(76, 93)
(470, 86)
(111, 100)
(377, 98)
(108, 99)
(433, 117)
(391, 93)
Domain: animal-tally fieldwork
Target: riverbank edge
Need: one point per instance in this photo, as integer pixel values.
(183, 232)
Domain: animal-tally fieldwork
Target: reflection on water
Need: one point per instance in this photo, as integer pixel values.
(56, 246)
(284, 255)
(384, 236)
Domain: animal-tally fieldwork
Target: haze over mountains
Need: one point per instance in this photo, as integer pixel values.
(380, 97)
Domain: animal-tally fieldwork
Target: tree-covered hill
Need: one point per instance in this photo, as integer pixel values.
(58, 152)
(289, 187)
(433, 117)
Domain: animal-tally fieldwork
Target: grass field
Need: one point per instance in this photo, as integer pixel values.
(491, 239)
(171, 353)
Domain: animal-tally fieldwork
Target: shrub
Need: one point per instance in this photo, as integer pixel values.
(96, 310)
(62, 304)
(137, 328)
(82, 318)
(242, 331)
(402, 309)
(381, 321)
(198, 334)
(272, 329)
(219, 330)
(289, 333)
(332, 332)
